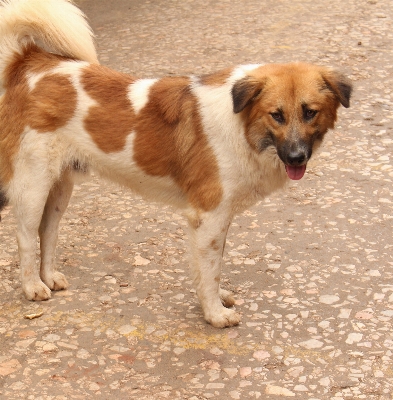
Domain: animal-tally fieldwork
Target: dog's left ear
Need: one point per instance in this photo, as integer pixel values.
(339, 84)
(244, 92)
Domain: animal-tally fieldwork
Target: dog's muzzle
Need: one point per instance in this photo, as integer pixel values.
(295, 157)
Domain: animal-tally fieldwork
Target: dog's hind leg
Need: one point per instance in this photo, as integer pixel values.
(207, 236)
(55, 207)
(29, 197)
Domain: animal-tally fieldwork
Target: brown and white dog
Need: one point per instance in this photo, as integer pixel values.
(211, 145)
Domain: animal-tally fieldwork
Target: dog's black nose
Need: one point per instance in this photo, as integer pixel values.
(296, 157)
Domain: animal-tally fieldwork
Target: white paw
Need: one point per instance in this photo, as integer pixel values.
(223, 317)
(56, 281)
(226, 297)
(37, 291)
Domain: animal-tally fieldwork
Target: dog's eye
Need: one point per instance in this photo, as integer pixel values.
(309, 114)
(278, 117)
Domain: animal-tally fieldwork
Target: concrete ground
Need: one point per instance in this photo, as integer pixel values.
(311, 267)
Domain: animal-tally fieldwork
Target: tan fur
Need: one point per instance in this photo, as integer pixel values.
(216, 78)
(47, 109)
(109, 122)
(170, 142)
(169, 138)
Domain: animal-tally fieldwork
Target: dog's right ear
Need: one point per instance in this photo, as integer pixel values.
(244, 92)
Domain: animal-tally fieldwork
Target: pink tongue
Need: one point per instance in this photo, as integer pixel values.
(295, 173)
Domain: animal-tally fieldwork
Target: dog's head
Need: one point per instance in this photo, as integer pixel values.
(290, 107)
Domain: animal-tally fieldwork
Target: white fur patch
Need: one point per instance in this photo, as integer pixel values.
(219, 125)
(70, 67)
(67, 68)
(33, 79)
(139, 93)
(241, 71)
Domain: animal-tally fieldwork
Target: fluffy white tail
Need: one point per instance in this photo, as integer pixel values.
(56, 25)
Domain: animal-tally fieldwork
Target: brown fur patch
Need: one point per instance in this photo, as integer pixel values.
(217, 78)
(14, 105)
(214, 245)
(170, 142)
(112, 120)
(34, 60)
(52, 103)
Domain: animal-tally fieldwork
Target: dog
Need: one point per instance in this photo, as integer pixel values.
(210, 145)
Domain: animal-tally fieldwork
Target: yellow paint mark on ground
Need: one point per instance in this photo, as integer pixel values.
(187, 339)
(192, 340)
(157, 333)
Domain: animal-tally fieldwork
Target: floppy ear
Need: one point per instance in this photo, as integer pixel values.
(244, 91)
(340, 85)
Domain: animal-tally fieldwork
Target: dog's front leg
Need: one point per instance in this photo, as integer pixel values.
(207, 240)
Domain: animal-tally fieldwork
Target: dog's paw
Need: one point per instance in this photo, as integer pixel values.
(223, 318)
(37, 291)
(56, 281)
(226, 297)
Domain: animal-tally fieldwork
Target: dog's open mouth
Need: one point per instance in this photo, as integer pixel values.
(295, 172)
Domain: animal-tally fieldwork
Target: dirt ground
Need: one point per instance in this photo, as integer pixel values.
(311, 267)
